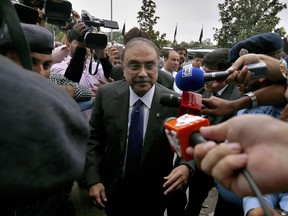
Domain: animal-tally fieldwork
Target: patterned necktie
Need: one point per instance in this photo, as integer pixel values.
(135, 141)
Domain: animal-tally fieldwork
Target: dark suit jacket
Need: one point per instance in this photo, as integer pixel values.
(201, 183)
(163, 78)
(230, 93)
(108, 140)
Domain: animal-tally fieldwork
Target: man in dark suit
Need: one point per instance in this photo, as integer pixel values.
(150, 190)
(201, 183)
(117, 72)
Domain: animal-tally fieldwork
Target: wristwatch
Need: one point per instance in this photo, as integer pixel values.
(284, 68)
(252, 98)
(281, 211)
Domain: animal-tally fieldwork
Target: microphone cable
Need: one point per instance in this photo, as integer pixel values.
(197, 138)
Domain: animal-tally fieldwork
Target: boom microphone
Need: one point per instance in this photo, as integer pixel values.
(192, 78)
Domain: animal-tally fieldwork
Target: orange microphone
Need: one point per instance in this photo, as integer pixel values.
(183, 132)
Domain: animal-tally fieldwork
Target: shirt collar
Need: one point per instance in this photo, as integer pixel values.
(146, 99)
(221, 90)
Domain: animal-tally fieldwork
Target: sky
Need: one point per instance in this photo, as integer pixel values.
(188, 15)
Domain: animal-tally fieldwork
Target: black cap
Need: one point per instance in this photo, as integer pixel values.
(267, 43)
(38, 38)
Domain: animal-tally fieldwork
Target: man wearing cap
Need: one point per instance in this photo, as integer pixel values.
(41, 44)
(41, 154)
(267, 43)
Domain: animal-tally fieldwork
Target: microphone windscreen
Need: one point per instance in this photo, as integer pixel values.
(170, 100)
(190, 79)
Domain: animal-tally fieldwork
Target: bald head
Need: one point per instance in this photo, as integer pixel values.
(140, 61)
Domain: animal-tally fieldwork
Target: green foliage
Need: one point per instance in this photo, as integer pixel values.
(147, 20)
(117, 36)
(244, 18)
(56, 31)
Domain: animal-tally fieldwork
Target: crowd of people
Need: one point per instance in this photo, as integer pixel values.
(85, 128)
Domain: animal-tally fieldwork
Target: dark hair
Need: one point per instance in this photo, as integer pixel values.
(217, 59)
(71, 35)
(177, 49)
(198, 55)
(133, 33)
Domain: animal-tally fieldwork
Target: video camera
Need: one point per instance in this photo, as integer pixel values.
(92, 38)
(57, 12)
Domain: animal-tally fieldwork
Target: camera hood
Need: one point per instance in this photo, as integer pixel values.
(57, 12)
(95, 40)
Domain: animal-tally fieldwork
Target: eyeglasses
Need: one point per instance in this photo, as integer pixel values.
(135, 66)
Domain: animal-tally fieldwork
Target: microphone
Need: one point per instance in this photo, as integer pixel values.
(179, 130)
(170, 100)
(192, 78)
(189, 103)
(184, 131)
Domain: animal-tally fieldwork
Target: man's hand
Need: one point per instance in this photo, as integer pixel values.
(259, 212)
(217, 106)
(177, 179)
(98, 195)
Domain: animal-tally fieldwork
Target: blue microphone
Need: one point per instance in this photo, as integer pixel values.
(192, 78)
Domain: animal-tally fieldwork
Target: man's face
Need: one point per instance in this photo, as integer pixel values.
(140, 66)
(172, 62)
(41, 62)
(182, 56)
(197, 62)
(213, 86)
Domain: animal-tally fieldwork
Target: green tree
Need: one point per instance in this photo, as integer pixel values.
(117, 36)
(147, 20)
(244, 18)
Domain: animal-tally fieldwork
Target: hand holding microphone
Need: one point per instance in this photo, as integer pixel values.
(184, 131)
(192, 79)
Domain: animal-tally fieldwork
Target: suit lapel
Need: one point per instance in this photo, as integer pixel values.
(122, 112)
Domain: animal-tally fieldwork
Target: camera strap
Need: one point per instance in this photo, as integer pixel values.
(91, 63)
(10, 17)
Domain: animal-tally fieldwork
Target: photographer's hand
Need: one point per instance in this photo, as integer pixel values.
(41, 17)
(75, 16)
(80, 29)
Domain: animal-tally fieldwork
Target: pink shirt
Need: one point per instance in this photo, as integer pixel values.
(87, 79)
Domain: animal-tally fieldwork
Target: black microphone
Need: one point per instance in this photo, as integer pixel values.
(171, 100)
(188, 103)
(258, 70)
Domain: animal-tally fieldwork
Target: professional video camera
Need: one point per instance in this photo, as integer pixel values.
(57, 12)
(93, 39)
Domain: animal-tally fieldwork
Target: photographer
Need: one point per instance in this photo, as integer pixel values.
(79, 66)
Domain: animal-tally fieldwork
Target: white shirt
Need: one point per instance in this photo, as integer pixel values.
(174, 73)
